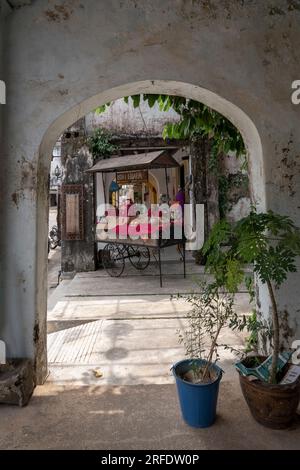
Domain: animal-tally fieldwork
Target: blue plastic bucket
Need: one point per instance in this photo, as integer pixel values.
(198, 402)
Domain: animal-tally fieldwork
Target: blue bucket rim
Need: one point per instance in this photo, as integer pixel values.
(215, 366)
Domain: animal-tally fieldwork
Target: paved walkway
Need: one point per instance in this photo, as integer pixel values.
(132, 417)
(126, 330)
(123, 329)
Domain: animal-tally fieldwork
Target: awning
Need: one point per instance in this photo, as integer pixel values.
(145, 161)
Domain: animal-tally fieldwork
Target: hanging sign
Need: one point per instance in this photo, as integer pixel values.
(72, 211)
(131, 177)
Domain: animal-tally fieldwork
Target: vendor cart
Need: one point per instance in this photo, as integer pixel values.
(138, 250)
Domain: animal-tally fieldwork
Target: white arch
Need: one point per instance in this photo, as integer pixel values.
(236, 115)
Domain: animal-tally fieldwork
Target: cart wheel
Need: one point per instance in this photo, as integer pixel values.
(139, 257)
(113, 260)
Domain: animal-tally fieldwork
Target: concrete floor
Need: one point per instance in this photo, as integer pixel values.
(126, 330)
(130, 418)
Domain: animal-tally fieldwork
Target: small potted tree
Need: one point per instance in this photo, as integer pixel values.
(270, 243)
(198, 377)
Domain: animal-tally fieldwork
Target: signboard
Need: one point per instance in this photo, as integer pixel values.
(131, 177)
(72, 212)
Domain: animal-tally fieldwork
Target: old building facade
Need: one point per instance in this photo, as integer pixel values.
(134, 131)
(79, 56)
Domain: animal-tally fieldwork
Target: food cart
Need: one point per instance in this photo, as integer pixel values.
(133, 237)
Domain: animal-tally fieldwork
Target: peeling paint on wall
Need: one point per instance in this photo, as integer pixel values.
(59, 12)
(288, 167)
(28, 179)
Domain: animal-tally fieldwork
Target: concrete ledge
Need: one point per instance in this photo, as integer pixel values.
(16, 382)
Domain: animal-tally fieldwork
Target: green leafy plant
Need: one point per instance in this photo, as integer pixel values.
(225, 184)
(211, 311)
(254, 327)
(270, 243)
(100, 144)
(196, 120)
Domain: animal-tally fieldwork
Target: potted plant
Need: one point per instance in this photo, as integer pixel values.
(198, 377)
(270, 243)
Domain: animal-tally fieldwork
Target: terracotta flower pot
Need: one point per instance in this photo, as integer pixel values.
(273, 406)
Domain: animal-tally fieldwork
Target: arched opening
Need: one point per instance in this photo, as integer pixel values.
(229, 110)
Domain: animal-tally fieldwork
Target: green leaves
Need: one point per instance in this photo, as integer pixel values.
(100, 144)
(136, 100)
(234, 274)
(268, 241)
(196, 119)
(220, 233)
(211, 311)
(101, 109)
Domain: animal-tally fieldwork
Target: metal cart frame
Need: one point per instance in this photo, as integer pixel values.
(146, 161)
(151, 244)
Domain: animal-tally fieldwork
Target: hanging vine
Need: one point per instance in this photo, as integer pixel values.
(198, 121)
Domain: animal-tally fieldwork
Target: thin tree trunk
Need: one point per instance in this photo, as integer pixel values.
(211, 351)
(275, 319)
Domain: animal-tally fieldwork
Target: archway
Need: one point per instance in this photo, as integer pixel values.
(229, 110)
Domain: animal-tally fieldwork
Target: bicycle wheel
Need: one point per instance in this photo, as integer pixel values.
(113, 260)
(139, 257)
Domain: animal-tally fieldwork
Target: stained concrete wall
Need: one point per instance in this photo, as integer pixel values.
(236, 195)
(64, 58)
(78, 255)
(1, 71)
(1, 127)
(122, 118)
(4, 11)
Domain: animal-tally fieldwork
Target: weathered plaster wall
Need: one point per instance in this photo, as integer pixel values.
(1, 127)
(124, 118)
(4, 11)
(78, 256)
(1, 68)
(234, 187)
(64, 58)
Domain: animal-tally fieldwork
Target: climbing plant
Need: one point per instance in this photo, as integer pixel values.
(196, 120)
(226, 184)
(100, 144)
(270, 243)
